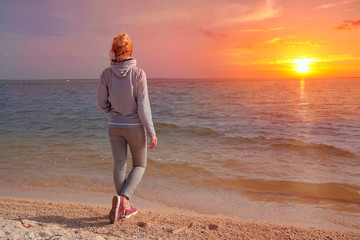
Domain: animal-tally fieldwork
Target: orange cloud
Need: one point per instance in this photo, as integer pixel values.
(279, 41)
(330, 5)
(263, 30)
(244, 46)
(330, 58)
(263, 10)
(336, 58)
(348, 25)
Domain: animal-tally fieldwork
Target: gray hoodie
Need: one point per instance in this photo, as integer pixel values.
(122, 93)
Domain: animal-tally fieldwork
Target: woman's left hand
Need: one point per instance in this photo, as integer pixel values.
(153, 142)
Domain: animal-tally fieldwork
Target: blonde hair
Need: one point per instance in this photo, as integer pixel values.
(122, 48)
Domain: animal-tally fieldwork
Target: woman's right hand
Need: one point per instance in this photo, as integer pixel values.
(153, 142)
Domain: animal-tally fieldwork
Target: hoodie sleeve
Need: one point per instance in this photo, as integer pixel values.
(144, 110)
(102, 95)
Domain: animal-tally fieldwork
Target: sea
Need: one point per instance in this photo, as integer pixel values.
(281, 151)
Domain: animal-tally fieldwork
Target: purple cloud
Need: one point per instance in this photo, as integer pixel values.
(211, 34)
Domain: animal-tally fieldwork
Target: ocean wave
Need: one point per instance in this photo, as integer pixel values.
(166, 125)
(288, 144)
(191, 173)
(339, 192)
(299, 145)
(184, 170)
(193, 130)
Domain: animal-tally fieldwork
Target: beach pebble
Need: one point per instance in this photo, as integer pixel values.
(141, 224)
(27, 223)
(212, 227)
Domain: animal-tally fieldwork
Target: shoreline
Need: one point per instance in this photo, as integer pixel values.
(283, 212)
(35, 218)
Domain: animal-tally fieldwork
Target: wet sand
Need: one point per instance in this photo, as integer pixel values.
(45, 219)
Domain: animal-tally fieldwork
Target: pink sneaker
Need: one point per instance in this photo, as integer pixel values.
(117, 209)
(130, 212)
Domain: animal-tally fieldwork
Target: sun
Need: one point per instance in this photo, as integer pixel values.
(302, 64)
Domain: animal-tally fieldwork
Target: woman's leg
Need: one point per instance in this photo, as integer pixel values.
(136, 138)
(119, 150)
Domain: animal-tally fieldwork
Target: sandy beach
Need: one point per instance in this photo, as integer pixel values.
(45, 219)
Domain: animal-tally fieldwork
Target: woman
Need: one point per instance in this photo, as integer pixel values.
(122, 93)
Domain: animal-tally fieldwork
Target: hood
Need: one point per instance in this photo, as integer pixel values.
(122, 68)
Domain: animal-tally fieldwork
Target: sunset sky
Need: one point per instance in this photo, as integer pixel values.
(187, 39)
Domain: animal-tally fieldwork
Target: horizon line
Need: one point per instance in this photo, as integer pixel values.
(175, 78)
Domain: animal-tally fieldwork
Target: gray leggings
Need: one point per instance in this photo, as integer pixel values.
(119, 139)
